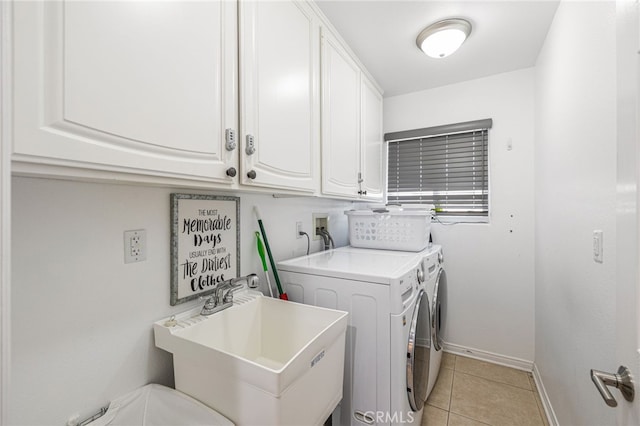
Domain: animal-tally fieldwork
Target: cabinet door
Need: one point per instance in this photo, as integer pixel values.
(372, 141)
(279, 69)
(340, 119)
(138, 87)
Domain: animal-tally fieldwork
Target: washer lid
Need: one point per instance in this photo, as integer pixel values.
(375, 266)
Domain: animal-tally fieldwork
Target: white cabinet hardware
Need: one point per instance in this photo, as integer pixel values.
(251, 147)
(230, 137)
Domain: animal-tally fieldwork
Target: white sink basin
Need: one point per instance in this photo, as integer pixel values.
(261, 361)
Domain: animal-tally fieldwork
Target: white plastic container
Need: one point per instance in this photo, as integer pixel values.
(406, 230)
(159, 405)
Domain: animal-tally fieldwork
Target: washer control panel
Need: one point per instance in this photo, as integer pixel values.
(408, 286)
(431, 264)
(409, 281)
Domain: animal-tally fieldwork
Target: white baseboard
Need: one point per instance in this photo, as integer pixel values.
(491, 357)
(546, 403)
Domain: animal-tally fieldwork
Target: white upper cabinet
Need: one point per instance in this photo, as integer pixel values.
(351, 126)
(147, 88)
(372, 141)
(213, 94)
(279, 73)
(340, 119)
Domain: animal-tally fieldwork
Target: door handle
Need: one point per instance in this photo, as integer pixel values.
(622, 381)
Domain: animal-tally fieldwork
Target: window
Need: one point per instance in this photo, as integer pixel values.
(447, 166)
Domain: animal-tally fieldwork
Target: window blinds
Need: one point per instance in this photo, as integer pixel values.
(446, 166)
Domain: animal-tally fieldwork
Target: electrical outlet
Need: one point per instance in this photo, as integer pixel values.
(298, 229)
(320, 220)
(135, 246)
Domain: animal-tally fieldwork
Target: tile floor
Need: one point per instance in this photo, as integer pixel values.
(476, 393)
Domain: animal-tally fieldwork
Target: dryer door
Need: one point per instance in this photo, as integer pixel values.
(439, 309)
(418, 352)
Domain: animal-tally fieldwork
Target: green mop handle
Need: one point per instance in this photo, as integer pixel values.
(261, 252)
(283, 295)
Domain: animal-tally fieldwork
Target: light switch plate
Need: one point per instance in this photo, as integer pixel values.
(135, 246)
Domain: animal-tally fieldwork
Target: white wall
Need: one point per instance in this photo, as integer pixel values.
(575, 192)
(81, 318)
(489, 266)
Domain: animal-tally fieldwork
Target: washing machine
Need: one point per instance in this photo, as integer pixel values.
(389, 336)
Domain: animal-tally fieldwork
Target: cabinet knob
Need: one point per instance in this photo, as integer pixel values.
(231, 172)
(251, 174)
(362, 192)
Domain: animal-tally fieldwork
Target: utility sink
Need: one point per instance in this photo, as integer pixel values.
(260, 361)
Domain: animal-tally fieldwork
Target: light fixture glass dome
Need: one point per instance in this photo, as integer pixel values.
(441, 39)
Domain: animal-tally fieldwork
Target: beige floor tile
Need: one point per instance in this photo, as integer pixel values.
(441, 394)
(458, 420)
(433, 416)
(494, 403)
(494, 372)
(448, 360)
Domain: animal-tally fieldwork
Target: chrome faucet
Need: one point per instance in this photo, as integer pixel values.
(221, 299)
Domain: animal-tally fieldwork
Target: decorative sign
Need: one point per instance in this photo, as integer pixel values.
(205, 244)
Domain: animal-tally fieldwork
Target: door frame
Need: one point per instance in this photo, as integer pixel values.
(5, 207)
(627, 243)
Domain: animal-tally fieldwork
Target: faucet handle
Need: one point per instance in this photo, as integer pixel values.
(230, 288)
(228, 296)
(209, 301)
(235, 284)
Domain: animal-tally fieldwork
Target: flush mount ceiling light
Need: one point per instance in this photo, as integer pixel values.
(444, 37)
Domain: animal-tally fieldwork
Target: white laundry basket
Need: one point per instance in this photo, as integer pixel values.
(384, 229)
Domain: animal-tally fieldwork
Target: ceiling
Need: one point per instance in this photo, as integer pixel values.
(506, 36)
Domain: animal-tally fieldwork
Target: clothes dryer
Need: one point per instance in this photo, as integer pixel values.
(388, 348)
(435, 284)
